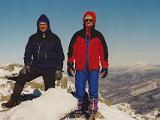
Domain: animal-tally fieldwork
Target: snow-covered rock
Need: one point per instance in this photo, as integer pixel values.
(52, 105)
(112, 113)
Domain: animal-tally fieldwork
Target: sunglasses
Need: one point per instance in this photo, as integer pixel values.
(88, 20)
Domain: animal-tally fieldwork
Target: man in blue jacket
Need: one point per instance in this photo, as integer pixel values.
(43, 57)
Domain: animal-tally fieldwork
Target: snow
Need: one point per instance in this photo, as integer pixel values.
(4, 87)
(2, 81)
(141, 65)
(52, 105)
(112, 113)
(39, 80)
(3, 72)
(6, 72)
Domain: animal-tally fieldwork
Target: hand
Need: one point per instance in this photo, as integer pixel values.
(26, 69)
(70, 69)
(58, 75)
(104, 72)
(12, 76)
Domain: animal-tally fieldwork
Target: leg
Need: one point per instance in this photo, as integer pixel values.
(93, 90)
(80, 85)
(49, 79)
(18, 87)
(16, 92)
(34, 73)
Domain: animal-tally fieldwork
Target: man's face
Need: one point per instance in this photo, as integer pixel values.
(43, 26)
(89, 23)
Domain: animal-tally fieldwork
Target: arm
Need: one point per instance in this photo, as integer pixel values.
(60, 55)
(71, 56)
(103, 52)
(28, 53)
(71, 52)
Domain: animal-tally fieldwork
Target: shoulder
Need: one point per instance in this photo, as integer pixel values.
(79, 33)
(98, 33)
(54, 37)
(33, 36)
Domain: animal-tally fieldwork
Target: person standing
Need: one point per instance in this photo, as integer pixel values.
(43, 57)
(88, 51)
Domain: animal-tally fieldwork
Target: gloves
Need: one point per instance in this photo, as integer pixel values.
(104, 72)
(70, 69)
(58, 75)
(26, 69)
(12, 76)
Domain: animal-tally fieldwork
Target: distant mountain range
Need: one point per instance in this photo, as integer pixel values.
(137, 84)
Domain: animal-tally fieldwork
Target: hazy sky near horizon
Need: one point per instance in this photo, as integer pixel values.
(131, 27)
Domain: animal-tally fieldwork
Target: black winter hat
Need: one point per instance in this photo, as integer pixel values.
(43, 18)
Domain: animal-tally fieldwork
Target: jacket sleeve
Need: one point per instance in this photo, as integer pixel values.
(71, 51)
(60, 55)
(103, 52)
(28, 53)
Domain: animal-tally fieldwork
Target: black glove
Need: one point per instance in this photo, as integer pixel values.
(58, 75)
(12, 76)
(26, 69)
(70, 69)
(104, 72)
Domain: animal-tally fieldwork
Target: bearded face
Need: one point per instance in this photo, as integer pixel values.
(89, 23)
(43, 26)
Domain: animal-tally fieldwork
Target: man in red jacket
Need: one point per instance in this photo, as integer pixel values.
(88, 50)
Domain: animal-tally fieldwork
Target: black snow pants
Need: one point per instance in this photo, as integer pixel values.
(48, 77)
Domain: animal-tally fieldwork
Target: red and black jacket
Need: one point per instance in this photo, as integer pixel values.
(97, 50)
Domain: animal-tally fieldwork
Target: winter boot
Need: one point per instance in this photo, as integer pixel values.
(93, 107)
(16, 92)
(11, 103)
(86, 103)
(79, 109)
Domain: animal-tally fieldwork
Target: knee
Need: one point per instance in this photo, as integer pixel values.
(21, 81)
(49, 85)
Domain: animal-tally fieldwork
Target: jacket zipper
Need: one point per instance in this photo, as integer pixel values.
(87, 50)
(45, 55)
(39, 50)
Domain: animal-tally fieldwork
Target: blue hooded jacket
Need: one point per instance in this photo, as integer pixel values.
(45, 53)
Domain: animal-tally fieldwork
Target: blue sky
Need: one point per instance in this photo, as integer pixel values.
(131, 27)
